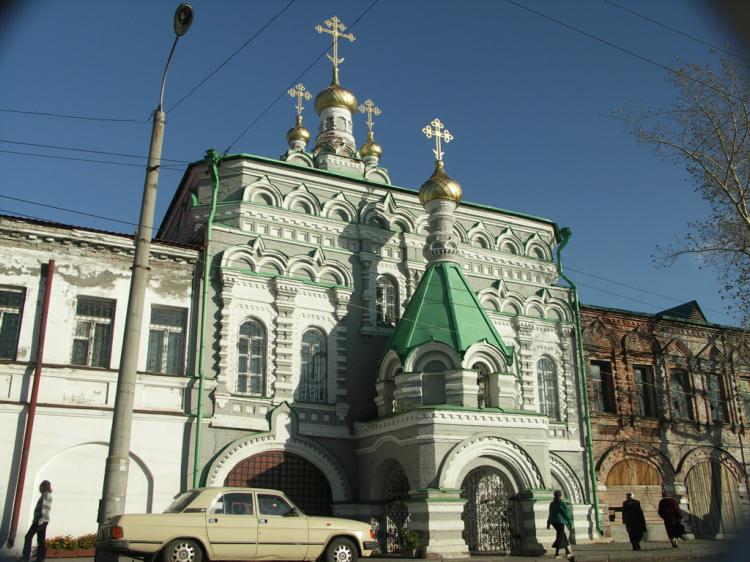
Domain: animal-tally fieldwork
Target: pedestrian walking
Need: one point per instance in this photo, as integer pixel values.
(669, 511)
(635, 522)
(559, 518)
(39, 525)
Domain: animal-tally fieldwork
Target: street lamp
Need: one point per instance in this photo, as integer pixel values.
(118, 457)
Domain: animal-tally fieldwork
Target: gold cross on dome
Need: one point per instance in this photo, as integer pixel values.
(438, 133)
(300, 93)
(337, 30)
(369, 108)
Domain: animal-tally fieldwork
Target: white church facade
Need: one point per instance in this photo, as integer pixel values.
(373, 351)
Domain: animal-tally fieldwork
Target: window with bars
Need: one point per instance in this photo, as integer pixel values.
(549, 399)
(251, 359)
(92, 340)
(681, 394)
(11, 308)
(645, 388)
(717, 398)
(386, 299)
(483, 382)
(602, 387)
(166, 341)
(312, 386)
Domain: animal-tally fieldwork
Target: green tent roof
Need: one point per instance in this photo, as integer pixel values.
(444, 308)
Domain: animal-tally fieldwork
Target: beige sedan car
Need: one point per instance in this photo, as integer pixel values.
(235, 524)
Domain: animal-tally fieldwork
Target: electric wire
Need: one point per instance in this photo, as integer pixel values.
(230, 57)
(90, 151)
(642, 58)
(292, 83)
(88, 160)
(226, 245)
(70, 116)
(677, 31)
(690, 393)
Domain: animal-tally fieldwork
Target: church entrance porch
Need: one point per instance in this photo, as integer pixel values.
(490, 514)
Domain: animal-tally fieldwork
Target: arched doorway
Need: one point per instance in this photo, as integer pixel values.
(490, 518)
(639, 477)
(714, 500)
(395, 510)
(298, 478)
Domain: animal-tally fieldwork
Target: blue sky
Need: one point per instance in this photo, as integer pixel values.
(527, 99)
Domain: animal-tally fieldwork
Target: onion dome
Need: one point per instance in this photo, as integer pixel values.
(335, 96)
(440, 186)
(370, 148)
(298, 132)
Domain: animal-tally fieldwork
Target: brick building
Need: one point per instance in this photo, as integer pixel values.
(669, 406)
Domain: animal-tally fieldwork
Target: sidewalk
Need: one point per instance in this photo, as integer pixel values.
(710, 551)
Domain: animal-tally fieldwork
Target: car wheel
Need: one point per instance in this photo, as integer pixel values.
(182, 550)
(341, 550)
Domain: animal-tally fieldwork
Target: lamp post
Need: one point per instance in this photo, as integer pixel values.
(118, 457)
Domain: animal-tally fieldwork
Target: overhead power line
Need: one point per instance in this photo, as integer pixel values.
(89, 160)
(90, 151)
(292, 83)
(230, 57)
(624, 50)
(595, 288)
(677, 31)
(69, 116)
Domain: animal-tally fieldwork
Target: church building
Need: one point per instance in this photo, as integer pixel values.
(375, 352)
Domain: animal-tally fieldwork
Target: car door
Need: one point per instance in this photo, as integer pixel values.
(282, 529)
(232, 526)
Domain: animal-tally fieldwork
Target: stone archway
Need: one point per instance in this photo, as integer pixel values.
(490, 513)
(298, 478)
(715, 505)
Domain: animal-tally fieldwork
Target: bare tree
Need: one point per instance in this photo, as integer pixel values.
(706, 130)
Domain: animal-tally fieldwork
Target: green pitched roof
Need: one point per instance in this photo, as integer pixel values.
(688, 311)
(444, 308)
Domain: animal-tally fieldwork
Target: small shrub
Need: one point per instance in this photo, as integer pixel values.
(69, 542)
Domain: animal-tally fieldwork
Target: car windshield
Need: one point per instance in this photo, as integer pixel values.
(181, 502)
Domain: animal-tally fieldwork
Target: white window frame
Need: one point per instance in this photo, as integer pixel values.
(90, 337)
(166, 330)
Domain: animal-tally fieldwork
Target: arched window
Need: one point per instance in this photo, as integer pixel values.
(386, 299)
(549, 402)
(312, 386)
(483, 380)
(251, 359)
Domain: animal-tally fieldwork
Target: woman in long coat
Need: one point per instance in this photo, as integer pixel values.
(559, 518)
(669, 511)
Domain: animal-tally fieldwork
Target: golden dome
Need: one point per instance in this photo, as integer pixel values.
(298, 132)
(440, 186)
(371, 148)
(335, 96)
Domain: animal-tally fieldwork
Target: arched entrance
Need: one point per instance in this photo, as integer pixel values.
(395, 510)
(714, 500)
(490, 518)
(298, 478)
(641, 478)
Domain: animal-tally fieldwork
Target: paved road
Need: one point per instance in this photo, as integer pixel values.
(710, 551)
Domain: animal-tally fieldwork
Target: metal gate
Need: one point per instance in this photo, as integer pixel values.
(396, 512)
(489, 513)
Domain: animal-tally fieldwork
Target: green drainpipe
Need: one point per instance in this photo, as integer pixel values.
(212, 159)
(565, 238)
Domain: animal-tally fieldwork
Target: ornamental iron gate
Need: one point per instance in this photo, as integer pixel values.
(396, 512)
(489, 513)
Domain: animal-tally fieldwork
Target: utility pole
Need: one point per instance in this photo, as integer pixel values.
(118, 458)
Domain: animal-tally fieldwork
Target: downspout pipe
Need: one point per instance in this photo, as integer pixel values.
(565, 234)
(32, 405)
(212, 160)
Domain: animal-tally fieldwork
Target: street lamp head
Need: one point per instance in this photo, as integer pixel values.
(183, 17)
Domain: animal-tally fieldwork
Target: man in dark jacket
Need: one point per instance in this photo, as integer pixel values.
(635, 523)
